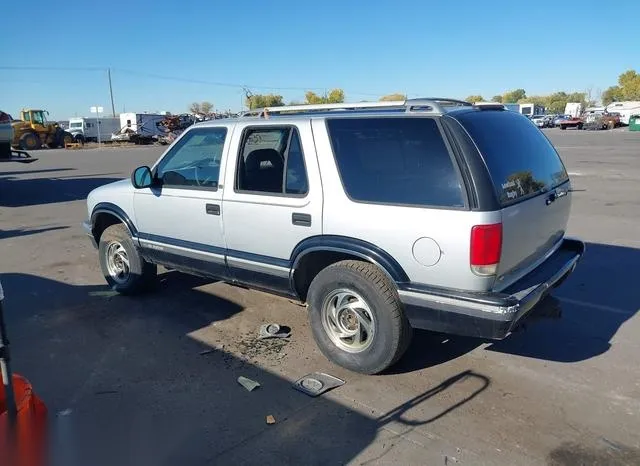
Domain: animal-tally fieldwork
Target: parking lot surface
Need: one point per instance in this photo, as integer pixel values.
(151, 380)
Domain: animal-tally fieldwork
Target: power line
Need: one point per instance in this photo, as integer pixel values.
(185, 80)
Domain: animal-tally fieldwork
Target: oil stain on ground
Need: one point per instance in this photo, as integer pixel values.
(610, 454)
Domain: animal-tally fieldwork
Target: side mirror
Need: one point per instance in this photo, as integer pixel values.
(142, 178)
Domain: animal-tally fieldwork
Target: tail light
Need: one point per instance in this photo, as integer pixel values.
(486, 247)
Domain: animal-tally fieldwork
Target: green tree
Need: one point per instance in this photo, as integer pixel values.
(496, 98)
(335, 96)
(628, 88)
(264, 100)
(392, 97)
(474, 98)
(514, 96)
(206, 107)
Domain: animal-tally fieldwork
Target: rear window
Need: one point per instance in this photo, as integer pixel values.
(521, 160)
(395, 161)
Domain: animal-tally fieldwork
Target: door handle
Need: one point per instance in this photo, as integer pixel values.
(213, 209)
(302, 220)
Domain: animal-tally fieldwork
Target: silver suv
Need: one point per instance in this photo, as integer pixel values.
(382, 217)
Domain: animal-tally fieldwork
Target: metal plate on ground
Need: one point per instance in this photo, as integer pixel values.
(274, 331)
(317, 383)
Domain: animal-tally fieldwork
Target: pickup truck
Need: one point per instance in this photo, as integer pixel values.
(571, 122)
(7, 154)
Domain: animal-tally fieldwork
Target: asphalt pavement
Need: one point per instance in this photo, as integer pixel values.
(151, 380)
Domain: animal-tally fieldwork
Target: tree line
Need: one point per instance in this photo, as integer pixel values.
(628, 88)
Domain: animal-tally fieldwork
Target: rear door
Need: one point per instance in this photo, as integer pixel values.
(272, 200)
(532, 187)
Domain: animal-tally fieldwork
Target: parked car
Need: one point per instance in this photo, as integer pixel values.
(384, 219)
(571, 122)
(539, 120)
(559, 119)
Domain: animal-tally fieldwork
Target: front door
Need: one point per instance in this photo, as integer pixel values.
(179, 218)
(272, 201)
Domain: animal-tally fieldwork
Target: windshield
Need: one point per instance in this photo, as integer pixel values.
(75, 124)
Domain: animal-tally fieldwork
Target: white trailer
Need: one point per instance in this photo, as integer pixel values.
(139, 127)
(625, 109)
(87, 129)
(531, 109)
(573, 109)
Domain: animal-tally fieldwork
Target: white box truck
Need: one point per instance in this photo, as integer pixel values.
(139, 127)
(87, 129)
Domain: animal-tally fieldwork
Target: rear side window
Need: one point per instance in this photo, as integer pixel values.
(521, 160)
(395, 161)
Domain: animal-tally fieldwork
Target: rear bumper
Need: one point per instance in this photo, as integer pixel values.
(489, 315)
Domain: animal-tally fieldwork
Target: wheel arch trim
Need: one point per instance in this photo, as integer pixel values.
(353, 246)
(112, 209)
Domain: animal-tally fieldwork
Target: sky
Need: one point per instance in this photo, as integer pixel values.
(162, 58)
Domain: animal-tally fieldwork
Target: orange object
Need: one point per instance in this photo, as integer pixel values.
(25, 443)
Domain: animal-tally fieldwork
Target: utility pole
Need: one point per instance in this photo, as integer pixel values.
(113, 107)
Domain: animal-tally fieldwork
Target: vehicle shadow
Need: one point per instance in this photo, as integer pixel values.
(6, 234)
(600, 296)
(16, 192)
(126, 383)
(30, 172)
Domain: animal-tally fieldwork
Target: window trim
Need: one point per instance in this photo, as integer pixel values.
(447, 145)
(160, 184)
(283, 194)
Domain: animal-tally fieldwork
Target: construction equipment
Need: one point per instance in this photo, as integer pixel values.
(33, 131)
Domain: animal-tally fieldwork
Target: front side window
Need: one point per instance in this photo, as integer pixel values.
(401, 161)
(271, 161)
(194, 161)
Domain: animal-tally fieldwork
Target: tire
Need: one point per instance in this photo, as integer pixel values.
(579, 126)
(115, 249)
(30, 141)
(563, 127)
(364, 283)
(79, 138)
(67, 138)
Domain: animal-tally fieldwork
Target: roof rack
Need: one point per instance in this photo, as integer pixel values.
(429, 105)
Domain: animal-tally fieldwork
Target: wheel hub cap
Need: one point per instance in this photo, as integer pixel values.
(348, 321)
(117, 262)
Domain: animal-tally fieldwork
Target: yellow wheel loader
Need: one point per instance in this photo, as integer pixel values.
(33, 131)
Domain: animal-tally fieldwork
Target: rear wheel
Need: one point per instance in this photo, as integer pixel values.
(563, 126)
(579, 126)
(357, 318)
(122, 265)
(30, 141)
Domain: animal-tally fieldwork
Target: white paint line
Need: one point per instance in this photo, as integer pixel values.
(574, 174)
(600, 307)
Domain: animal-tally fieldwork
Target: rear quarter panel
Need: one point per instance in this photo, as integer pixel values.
(395, 229)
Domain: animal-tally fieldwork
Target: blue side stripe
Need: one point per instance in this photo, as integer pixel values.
(258, 258)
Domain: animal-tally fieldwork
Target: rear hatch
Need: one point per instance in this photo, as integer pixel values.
(531, 184)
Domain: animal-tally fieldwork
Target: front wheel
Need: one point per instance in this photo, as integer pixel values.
(357, 318)
(122, 265)
(30, 141)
